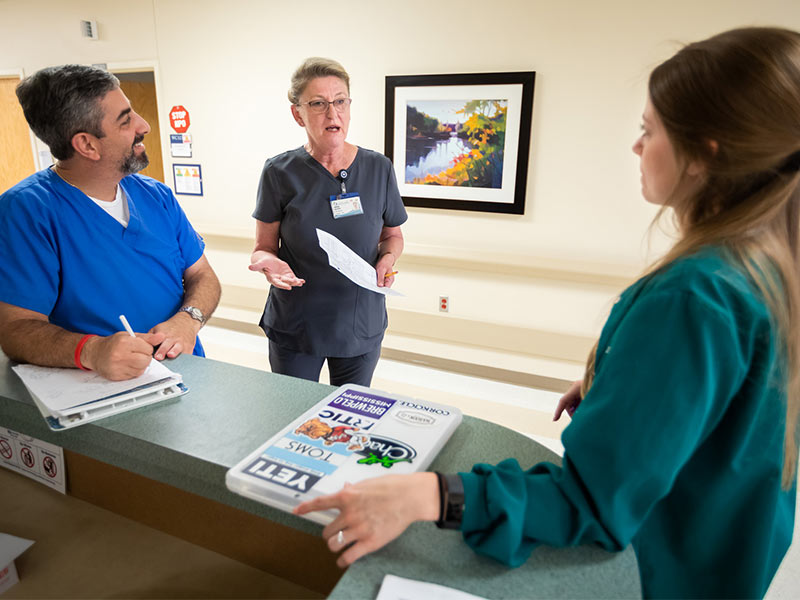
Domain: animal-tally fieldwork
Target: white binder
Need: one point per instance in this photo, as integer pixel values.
(70, 397)
(350, 435)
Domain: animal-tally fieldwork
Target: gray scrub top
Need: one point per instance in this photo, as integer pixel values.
(329, 315)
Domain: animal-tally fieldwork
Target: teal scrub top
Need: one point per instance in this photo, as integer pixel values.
(677, 448)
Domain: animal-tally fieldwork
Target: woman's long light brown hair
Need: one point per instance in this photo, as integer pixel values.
(732, 102)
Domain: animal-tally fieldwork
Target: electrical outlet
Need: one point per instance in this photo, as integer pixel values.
(444, 304)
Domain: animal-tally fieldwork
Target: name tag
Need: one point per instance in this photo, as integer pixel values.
(346, 205)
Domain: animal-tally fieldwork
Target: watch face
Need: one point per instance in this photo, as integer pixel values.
(195, 313)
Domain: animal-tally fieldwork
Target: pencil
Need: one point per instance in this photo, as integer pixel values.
(390, 274)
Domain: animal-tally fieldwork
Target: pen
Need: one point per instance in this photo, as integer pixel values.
(390, 274)
(126, 325)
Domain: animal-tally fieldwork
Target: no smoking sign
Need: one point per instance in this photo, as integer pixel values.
(36, 459)
(5, 449)
(27, 457)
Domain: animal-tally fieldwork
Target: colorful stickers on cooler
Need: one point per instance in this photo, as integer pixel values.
(284, 475)
(322, 443)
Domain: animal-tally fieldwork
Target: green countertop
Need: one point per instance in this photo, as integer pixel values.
(191, 442)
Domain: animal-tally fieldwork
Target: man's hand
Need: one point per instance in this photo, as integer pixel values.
(179, 335)
(119, 356)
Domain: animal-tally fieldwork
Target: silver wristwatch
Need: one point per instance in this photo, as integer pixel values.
(195, 313)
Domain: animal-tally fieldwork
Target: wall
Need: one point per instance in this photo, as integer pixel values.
(554, 270)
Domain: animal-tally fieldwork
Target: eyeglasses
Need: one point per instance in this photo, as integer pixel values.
(321, 106)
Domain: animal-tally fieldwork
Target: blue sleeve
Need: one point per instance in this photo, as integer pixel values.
(666, 377)
(29, 261)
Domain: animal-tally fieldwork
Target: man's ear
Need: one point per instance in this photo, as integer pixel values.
(86, 145)
(297, 117)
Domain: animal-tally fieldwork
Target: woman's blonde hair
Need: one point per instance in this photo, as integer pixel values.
(732, 102)
(311, 69)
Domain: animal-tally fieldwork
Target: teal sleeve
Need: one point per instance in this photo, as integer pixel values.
(662, 382)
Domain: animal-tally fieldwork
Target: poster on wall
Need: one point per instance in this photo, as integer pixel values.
(188, 179)
(461, 141)
(180, 145)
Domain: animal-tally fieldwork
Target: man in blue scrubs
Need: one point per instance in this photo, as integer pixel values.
(88, 240)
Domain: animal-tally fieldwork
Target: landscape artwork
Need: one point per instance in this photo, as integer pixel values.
(461, 141)
(455, 142)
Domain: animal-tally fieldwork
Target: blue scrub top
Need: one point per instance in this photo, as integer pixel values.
(329, 315)
(63, 256)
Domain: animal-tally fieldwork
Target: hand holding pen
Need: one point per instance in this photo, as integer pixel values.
(387, 280)
(119, 356)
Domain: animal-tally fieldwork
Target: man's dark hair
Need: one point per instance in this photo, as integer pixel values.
(59, 102)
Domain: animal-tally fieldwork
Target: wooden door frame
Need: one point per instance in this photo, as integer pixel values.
(138, 66)
(34, 143)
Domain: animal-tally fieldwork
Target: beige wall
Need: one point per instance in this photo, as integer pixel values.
(583, 234)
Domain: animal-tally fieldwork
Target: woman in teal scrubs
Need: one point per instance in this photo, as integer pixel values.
(685, 441)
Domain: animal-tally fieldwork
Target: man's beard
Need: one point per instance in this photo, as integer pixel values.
(132, 163)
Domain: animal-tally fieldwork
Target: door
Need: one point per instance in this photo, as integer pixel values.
(16, 152)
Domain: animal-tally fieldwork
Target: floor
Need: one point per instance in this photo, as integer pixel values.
(86, 552)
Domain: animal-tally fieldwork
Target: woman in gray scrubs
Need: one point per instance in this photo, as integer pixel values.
(313, 312)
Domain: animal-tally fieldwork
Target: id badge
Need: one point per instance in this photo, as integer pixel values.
(346, 205)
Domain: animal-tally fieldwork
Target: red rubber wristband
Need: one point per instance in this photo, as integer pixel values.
(78, 349)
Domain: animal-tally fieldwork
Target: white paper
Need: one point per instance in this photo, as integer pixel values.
(400, 588)
(8, 577)
(11, 547)
(351, 265)
(60, 389)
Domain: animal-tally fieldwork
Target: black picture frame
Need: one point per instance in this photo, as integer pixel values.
(406, 94)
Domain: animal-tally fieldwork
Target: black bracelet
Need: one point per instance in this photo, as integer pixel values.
(451, 501)
(442, 497)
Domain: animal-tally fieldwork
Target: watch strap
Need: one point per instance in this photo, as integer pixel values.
(451, 501)
(195, 313)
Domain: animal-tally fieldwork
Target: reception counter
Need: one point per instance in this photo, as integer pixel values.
(164, 465)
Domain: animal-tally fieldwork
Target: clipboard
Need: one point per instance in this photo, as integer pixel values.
(352, 434)
(68, 397)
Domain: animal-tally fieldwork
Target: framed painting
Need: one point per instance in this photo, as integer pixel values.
(461, 141)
